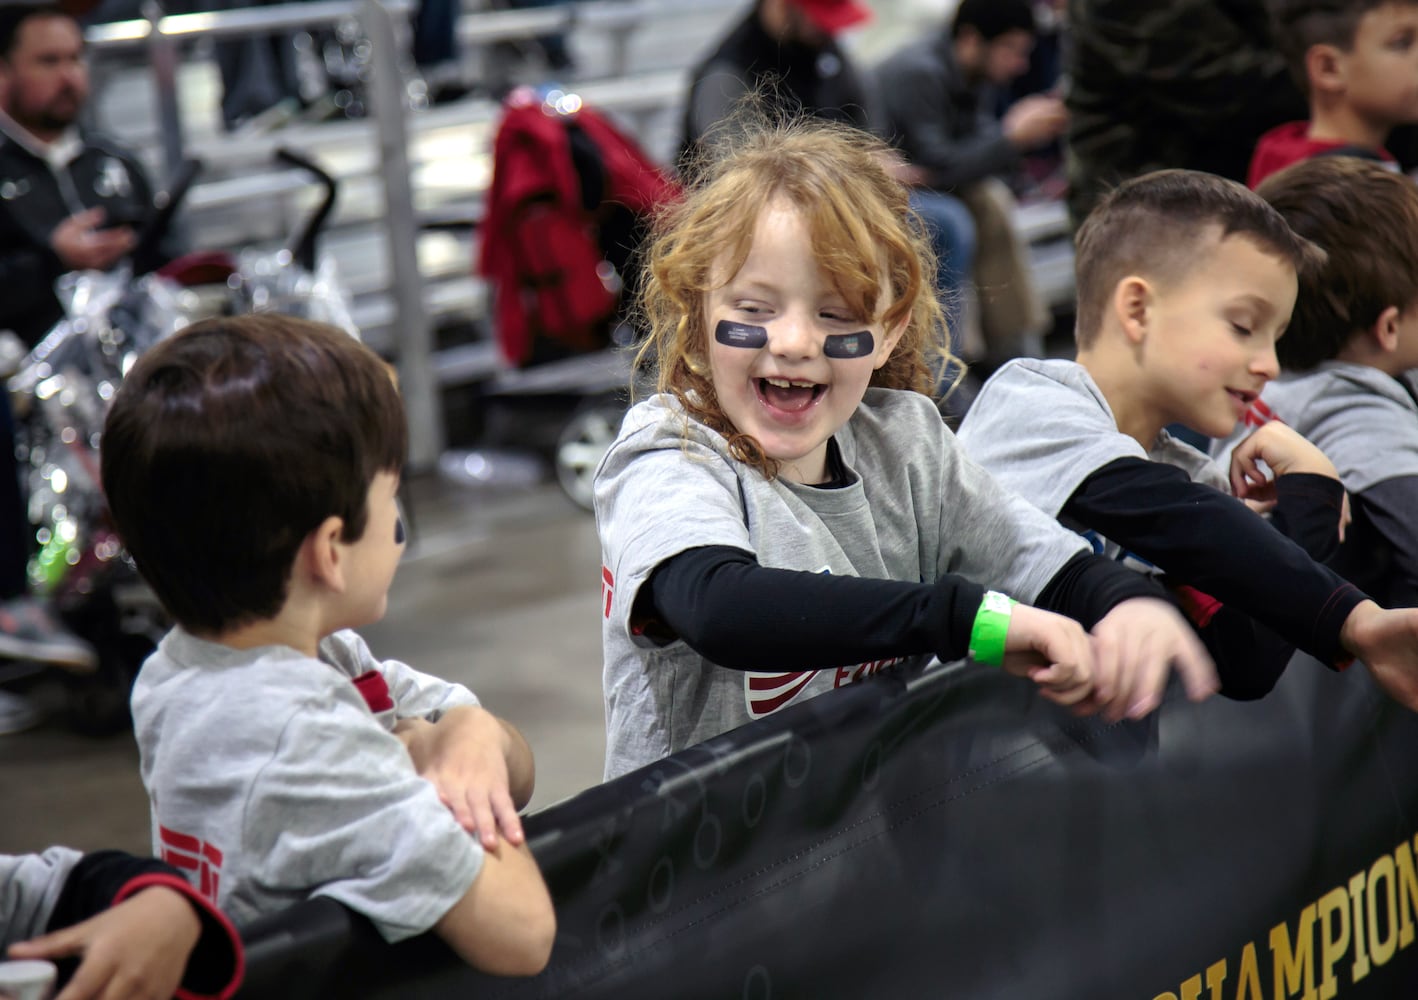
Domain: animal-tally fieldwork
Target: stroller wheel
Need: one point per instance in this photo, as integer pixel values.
(583, 442)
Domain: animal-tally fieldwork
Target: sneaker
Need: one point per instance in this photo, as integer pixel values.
(29, 631)
(17, 714)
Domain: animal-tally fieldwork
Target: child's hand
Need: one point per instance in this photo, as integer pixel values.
(1284, 450)
(465, 756)
(1133, 647)
(1387, 643)
(1052, 651)
(137, 949)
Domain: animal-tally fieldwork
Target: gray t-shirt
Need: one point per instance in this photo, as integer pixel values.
(30, 885)
(1364, 420)
(272, 778)
(916, 508)
(1043, 427)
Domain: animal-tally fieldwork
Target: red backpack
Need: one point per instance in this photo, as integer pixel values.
(554, 244)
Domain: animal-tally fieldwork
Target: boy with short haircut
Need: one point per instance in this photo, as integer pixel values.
(1185, 282)
(251, 466)
(1351, 355)
(1357, 61)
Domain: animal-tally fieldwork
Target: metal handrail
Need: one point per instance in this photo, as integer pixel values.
(238, 23)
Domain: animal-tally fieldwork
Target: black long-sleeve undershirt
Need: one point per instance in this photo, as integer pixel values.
(740, 615)
(97, 880)
(1205, 539)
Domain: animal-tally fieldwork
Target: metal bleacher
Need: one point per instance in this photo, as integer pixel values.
(632, 65)
(157, 89)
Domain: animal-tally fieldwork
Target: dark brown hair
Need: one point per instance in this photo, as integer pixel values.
(232, 441)
(1156, 225)
(1299, 25)
(14, 16)
(1366, 218)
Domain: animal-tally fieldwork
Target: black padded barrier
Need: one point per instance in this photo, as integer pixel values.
(946, 833)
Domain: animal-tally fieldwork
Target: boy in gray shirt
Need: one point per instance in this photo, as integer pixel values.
(1350, 357)
(251, 465)
(1185, 282)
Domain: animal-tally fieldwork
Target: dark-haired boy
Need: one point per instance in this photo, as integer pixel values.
(1185, 282)
(1350, 358)
(1357, 61)
(251, 466)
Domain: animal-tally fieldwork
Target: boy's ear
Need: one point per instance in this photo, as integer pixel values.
(1132, 303)
(1385, 329)
(323, 554)
(890, 338)
(1324, 68)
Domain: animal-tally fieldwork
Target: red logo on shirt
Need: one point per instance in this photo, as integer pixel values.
(767, 693)
(201, 859)
(607, 586)
(1259, 414)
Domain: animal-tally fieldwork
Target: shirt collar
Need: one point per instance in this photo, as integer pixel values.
(57, 154)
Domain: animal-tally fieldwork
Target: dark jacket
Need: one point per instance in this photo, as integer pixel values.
(938, 120)
(819, 81)
(34, 198)
(1181, 83)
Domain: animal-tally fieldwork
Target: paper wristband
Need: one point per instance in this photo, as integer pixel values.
(991, 626)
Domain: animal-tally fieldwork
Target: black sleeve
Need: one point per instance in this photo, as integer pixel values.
(1205, 539)
(100, 878)
(1249, 657)
(1392, 507)
(1089, 586)
(1307, 512)
(740, 615)
(95, 880)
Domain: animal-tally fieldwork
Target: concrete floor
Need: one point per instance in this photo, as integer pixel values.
(499, 590)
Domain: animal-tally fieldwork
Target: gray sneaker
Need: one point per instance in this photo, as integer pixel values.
(29, 631)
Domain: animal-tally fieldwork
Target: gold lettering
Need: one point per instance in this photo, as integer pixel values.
(1165, 996)
(1292, 968)
(1334, 909)
(1407, 893)
(1361, 956)
(1382, 949)
(1216, 978)
(1191, 989)
(1248, 978)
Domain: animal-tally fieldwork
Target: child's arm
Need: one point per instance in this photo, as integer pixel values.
(1304, 495)
(1389, 506)
(1210, 541)
(739, 615)
(339, 811)
(505, 923)
(140, 929)
(1202, 538)
(480, 764)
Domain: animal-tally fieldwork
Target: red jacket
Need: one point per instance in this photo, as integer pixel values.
(1291, 143)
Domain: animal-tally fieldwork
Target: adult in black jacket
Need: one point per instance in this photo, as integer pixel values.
(67, 202)
(67, 198)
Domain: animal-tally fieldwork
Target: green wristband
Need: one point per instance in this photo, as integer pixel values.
(991, 626)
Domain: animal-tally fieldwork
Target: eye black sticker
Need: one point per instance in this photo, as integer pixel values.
(740, 335)
(849, 345)
(399, 531)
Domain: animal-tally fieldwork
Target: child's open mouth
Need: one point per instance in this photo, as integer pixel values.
(791, 395)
